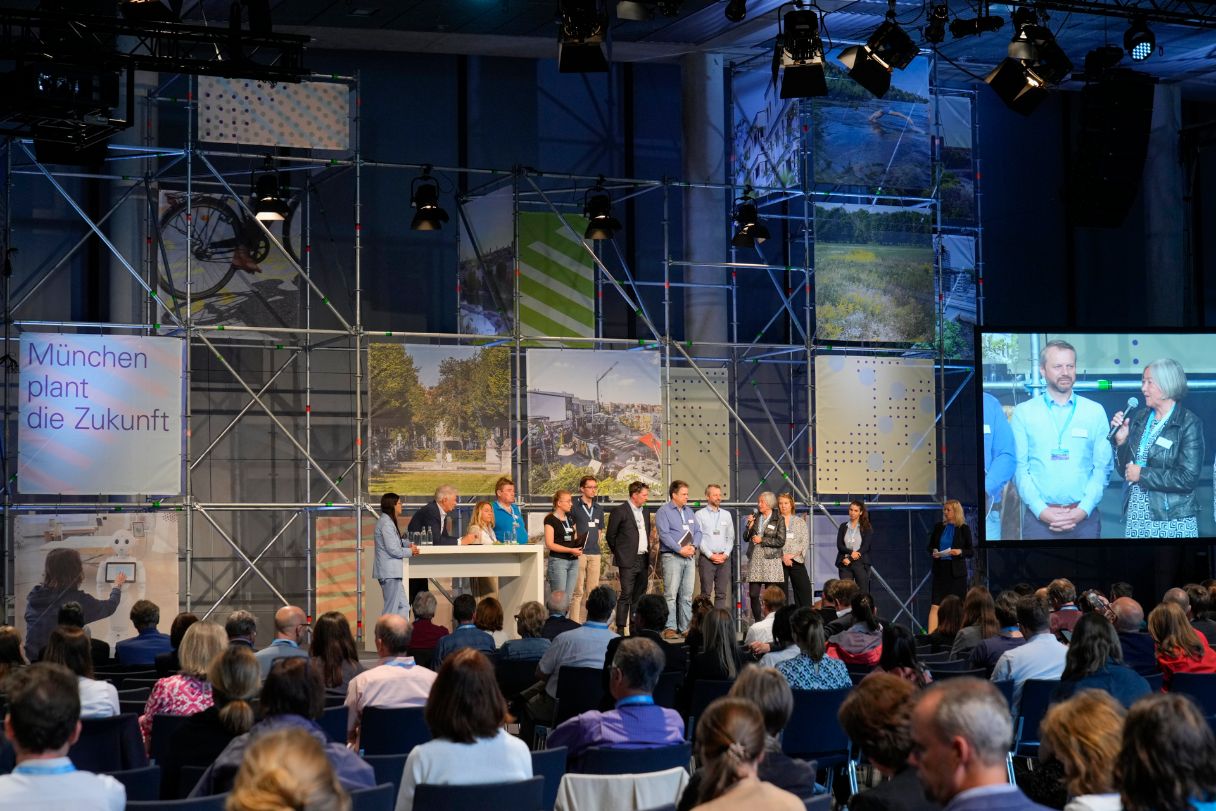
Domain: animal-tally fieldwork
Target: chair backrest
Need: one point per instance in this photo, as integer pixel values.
(1155, 681)
(947, 664)
(131, 682)
(333, 721)
(141, 784)
(514, 676)
(704, 692)
(134, 694)
(163, 727)
(813, 731)
(119, 678)
(1199, 686)
(335, 697)
(423, 657)
(382, 797)
(667, 688)
(522, 796)
(109, 745)
(579, 689)
(1036, 696)
(620, 792)
(1006, 688)
(551, 765)
(617, 760)
(387, 768)
(950, 673)
(188, 777)
(215, 802)
(926, 658)
(132, 707)
(821, 802)
(392, 730)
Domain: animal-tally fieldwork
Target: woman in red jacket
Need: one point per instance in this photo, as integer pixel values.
(1180, 649)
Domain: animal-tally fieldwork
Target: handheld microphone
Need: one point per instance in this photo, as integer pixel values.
(1132, 403)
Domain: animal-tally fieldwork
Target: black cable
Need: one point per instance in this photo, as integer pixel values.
(958, 66)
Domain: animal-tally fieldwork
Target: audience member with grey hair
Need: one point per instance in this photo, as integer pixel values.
(426, 633)
(557, 603)
(961, 731)
(398, 681)
(636, 722)
(242, 628)
(765, 536)
(1139, 653)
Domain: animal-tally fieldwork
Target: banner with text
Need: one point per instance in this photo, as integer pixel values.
(100, 415)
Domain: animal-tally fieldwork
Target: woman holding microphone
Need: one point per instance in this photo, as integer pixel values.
(853, 547)
(950, 545)
(767, 536)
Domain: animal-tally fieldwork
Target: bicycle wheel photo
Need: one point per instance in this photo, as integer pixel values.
(208, 253)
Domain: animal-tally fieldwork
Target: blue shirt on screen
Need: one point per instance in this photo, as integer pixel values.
(1000, 457)
(1063, 456)
(509, 524)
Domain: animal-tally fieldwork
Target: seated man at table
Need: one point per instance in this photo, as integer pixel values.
(636, 722)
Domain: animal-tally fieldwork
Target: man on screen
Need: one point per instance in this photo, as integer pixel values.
(999, 462)
(1063, 456)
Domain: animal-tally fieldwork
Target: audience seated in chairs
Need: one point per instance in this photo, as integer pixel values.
(333, 651)
(768, 690)
(1065, 613)
(1094, 660)
(1168, 758)
(488, 617)
(168, 663)
(12, 659)
(861, 642)
(287, 769)
(189, 691)
(234, 677)
(398, 681)
(530, 646)
(71, 614)
(42, 723)
(732, 740)
(69, 646)
(949, 623)
(1180, 648)
(426, 634)
(961, 733)
(466, 714)
(760, 633)
(694, 640)
(986, 654)
(290, 628)
(899, 656)
(466, 634)
(812, 668)
(557, 604)
(649, 618)
(783, 646)
(843, 595)
(636, 722)
(292, 697)
(148, 642)
(242, 629)
(1084, 733)
(979, 622)
(876, 717)
(1042, 657)
(719, 659)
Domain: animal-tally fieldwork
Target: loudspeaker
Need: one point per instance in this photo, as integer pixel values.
(1116, 115)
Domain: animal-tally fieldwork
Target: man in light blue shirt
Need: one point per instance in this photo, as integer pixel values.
(508, 520)
(290, 629)
(1041, 657)
(679, 539)
(1000, 461)
(717, 542)
(1063, 456)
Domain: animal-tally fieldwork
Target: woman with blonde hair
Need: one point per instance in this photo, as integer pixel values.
(286, 769)
(481, 525)
(793, 556)
(1084, 733)
(187, 692)
(561, 539)
(950, 545)
(1180, 649)
(731, 742)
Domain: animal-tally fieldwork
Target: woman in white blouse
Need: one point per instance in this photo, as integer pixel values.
(481, 525)
(70, 647)
(793, 556)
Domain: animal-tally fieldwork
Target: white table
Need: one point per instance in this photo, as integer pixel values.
(520, 569)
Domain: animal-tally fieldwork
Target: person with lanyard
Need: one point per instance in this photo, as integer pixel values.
(43, 722)
(398, 681)
(679, 540)
(950, 545)
(628, 539)
(717, 542)
(853, 539)
(391, 549)
(563, 544)
(589, 521)
(1159, 453)
(508, 520)
(1063, 459)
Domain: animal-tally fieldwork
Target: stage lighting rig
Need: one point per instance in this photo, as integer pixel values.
(974, 26)
(1035, 63)
(582, 25)
(889, 47)
(798, 54)
(269, 197)
(597, 208)
(424, 199)
(1139, 41)
(750, 230)
(736, 10)
(935, 29)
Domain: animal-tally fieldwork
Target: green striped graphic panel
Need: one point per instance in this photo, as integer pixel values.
(556, 277)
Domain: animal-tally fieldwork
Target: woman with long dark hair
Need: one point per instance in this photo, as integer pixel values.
(949, 623)
(812, 668)
(1180, 648)
(333, 650)
(1095, 660)
(719, 658)
(853, 539)
(62, 574)
(861, 642)
(69, 647)
(731, 742)
(979, 622)
(899, 657)
(391, 549)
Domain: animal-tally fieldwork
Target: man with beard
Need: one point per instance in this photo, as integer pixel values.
(1063, 456)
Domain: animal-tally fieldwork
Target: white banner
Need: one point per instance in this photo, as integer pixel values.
(100, 415)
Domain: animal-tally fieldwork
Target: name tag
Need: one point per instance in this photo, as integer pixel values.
(593, 523)
(987, 429)
(569, 532)
(717, 532)
(1080, 432)
(691, 522)
(1059, 455)
(1165, 443)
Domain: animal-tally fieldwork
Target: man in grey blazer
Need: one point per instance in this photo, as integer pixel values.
(961, 732)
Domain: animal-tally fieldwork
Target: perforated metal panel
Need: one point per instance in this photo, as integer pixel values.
(700, 430)
(308, 115)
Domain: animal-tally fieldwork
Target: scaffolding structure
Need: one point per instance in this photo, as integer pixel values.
(262, 553)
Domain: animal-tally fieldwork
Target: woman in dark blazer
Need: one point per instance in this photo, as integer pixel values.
(853, 539)
(950, 545)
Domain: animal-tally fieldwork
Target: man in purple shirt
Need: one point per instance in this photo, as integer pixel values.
(637, 722)
(679, 540)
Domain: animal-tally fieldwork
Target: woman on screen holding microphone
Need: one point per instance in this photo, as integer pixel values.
(1158, 451)
(853, 547)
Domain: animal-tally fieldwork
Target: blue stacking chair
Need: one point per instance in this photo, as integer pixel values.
(620, 760)
(1199, 686)
(551, 765)
(387, 768)
(141, 784)
(377, 798)
(522, 796)
(392, 731)
(1036, 697)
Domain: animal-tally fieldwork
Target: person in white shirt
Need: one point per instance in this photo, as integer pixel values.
(466, 713)
(69, 646)
(1042, 657)
(398, 681)
(760, 635)
(717, 543)
(42, 723)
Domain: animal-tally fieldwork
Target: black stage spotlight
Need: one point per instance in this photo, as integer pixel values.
(597, 208)
(935, 30)
(974, 26)
(750, 230)
(424, 198)
(1139, 41)
(1035, 63)
(736, 10)
(580, 39)
(889, 47)
(1100, 61)
(798, 54)
(269, 195)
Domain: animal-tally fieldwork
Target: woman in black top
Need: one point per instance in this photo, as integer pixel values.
(563, 543)
(950, 545)
(719, 660)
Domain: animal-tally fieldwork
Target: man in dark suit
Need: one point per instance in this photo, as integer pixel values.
(961, 732)
(648, 620)
(875, 716)
(439, 517)
(628, 538)
(1139, 652)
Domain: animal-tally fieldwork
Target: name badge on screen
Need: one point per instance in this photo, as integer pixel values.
(1165, 443)
(1059, 455)
(987, 429)
(1080, 432)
